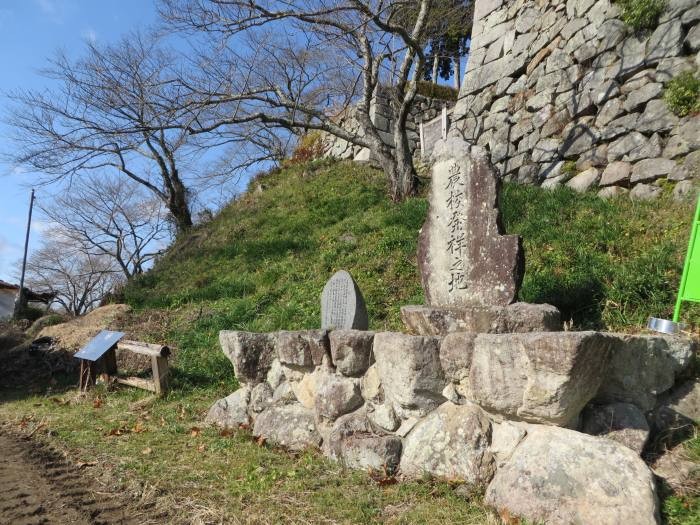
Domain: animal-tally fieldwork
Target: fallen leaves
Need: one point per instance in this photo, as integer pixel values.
(97, 403)
(195, 431)
(83, 464)
(146, 451)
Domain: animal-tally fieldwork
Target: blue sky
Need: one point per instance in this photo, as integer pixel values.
(30, 32)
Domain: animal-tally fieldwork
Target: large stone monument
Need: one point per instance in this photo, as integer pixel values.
(471, 271)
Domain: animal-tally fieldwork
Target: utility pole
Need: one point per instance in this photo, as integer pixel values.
(20, 300)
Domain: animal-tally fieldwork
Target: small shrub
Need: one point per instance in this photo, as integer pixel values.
(432, 90)
(641, 14)
(682, 94)
(310, 147)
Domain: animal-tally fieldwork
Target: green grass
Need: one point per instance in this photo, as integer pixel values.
(682, 94)
(261, 264)
(641, 14)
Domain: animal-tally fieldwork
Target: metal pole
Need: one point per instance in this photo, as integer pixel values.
(20, 299)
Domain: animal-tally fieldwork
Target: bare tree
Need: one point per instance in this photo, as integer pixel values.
(301, 66)
(117, 108)
(78, 280)
(112, 217)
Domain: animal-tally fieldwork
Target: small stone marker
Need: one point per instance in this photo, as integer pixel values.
(342, 304)
(463, 257)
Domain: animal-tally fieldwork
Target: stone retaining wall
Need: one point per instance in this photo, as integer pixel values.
(555, 81)
(424, 110)
(481, 408)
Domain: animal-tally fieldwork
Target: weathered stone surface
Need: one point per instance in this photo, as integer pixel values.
(612, 192)
(516, 317)
(579, 137)
(616, 173)
(625, 144)
(641, 367)
(542, 377)
(677, 413)
(260, 398)
(337, 395)
(559, 476)
(656, 118)
(645, 192)
(651, 169)
(456, 355)
(371, 385)
(584, 180)
(231, 411)
(351, 351)
(383, 416)
(303, 349)
(251, 354)
(451, 442)
(370, 452)
(275, 375)
(666, 41)
(642, 95)
(342, 304)
(621, 422)
(651, 149)
(463, 257)
(410, 368)
(684, 190)
(692, 39)
(284, 394)
(290, 426)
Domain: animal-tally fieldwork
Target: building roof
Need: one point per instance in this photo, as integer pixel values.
(36, 297)
(7, 286)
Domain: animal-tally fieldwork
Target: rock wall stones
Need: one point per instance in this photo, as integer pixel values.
(488, 409)
(563, 92)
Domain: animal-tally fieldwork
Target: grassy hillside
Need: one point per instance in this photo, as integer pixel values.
(261, 265)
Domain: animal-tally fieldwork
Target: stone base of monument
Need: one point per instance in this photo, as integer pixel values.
(514, 318)
(514, 412)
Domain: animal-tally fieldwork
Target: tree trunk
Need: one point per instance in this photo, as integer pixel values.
(178, 206)
(436, 63)
(458, 72)
(403, 179)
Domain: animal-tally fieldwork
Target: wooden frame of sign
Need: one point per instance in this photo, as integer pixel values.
(159, 366)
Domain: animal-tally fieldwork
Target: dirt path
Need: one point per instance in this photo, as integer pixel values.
(37, 486)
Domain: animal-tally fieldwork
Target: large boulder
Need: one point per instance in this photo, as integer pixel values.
(451, 442)
(410, 372)
(517, 317)
(545, 377)
(643, 366)
(231, 411)
(289, 426)
(621, 422)
(558, 476)
(251, 354)
(336, 395)
(351, 351)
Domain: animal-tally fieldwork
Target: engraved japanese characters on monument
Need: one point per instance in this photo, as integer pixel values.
(342, 304)
(464, 258)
